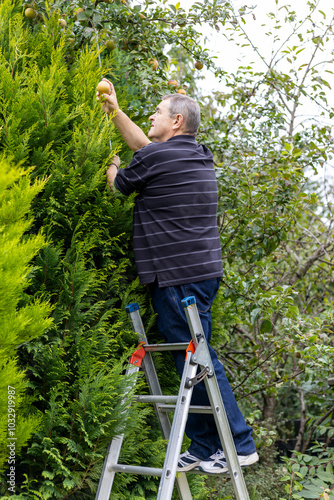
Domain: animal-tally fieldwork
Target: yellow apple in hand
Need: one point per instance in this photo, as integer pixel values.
(103, 88)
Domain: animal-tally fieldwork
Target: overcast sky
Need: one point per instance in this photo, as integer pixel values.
(257, 26)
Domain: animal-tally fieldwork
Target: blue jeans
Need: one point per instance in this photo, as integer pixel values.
(173, 326)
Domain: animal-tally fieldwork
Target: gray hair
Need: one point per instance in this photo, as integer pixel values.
(188, 108)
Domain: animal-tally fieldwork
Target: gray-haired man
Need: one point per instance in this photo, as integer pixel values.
(177, 250)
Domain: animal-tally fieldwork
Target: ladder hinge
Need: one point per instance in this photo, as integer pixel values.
(190, 382)
(138, 356)
(191, 348)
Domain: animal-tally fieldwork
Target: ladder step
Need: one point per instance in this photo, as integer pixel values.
(171, 403)
(192, 409)
(148, 471)
(156, 399)
(135, 469)
(166, 347)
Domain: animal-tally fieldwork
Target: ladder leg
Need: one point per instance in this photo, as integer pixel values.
(112, 455)
(204, 359)
(107, 476)
(176, 437)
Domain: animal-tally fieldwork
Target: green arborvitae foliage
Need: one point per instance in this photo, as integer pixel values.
(21, 318)
(51, 121)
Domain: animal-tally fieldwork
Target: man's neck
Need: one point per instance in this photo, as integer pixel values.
(173, 135)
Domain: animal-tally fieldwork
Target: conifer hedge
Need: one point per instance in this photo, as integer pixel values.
(54, 128)
(21, 318)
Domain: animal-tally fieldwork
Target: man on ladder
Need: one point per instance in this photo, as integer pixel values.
(177, 251)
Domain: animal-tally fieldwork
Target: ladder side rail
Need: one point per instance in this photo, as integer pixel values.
(226, 438)
(107, 477)
(216, 402)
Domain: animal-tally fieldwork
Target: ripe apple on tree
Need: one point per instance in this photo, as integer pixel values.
(30, 13)
(110, 44)
(173, 83)
(77, 12)
(154, 63)
(198, 65)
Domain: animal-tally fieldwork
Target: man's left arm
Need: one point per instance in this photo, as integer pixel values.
(112, 171)
(129, 179)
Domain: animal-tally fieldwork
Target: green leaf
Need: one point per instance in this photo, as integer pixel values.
(329, 468)
(69, 483)
(254, 314)
(326, 477)
(48, 474)
(265, 326)
(310, 493)
(304, 470)
(81, 16)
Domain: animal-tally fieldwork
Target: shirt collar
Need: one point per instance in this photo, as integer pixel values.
(191, 138)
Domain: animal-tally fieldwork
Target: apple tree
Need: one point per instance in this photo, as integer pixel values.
(276, 223)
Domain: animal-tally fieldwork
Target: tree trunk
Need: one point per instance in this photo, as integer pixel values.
(269, 407)
(268, 414)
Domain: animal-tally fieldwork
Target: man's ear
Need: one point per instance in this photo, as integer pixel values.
(178, 122)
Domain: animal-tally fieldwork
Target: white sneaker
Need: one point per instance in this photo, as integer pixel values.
(217, 464)
(187, 462)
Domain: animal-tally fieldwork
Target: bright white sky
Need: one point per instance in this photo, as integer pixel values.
(230, 56)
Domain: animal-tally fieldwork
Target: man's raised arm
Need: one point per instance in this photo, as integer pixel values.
(131, 133)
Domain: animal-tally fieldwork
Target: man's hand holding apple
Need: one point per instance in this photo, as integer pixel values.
(109, 100)
(131, 133)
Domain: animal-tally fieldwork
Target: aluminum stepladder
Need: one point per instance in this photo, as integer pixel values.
(197, 354)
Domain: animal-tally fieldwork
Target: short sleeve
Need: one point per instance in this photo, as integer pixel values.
(133, 177)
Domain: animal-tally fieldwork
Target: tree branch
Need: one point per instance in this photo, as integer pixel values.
(313, 427)
(301, 271)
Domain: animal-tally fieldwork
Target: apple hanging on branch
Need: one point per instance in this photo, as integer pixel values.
(81, 13)
(198, 65)
(173, 83)
(30, 13)
(110, 44)
(154, 63)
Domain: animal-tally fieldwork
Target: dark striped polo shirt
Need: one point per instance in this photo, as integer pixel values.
(175, 233)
